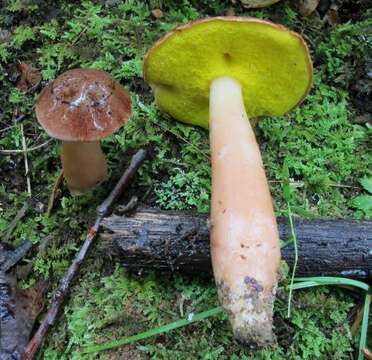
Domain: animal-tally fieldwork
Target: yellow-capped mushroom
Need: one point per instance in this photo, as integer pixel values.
(219, 73)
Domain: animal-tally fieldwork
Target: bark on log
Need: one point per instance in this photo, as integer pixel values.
(176, 241)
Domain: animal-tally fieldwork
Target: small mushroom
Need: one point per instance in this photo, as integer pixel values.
(220, 72)
(81, 107)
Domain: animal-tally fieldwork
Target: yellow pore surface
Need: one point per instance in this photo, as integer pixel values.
(271, 63)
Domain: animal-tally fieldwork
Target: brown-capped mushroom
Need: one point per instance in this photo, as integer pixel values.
(214, 73)
(81, 107)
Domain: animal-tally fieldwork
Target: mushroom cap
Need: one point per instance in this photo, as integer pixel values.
(271, 63)
(83, 105)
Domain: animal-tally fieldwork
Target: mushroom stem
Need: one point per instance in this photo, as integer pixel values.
(244, 237)
(83, 164)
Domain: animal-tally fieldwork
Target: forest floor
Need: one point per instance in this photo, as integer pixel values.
(324, 144)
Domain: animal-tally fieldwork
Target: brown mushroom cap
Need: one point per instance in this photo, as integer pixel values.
(83, 105)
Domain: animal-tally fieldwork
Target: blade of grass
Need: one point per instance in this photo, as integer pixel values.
(301, 282)
(286, 243)
(364, 328)
(298, 283)
(294, 238)
(153, 332)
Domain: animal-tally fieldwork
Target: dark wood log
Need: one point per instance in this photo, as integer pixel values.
(176, 241)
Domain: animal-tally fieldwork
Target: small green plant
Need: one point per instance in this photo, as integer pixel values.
(21, 35)
(23, 5)
(364, 202)
(346, 40)
(184, 191)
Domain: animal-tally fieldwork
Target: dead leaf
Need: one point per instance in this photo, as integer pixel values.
(20, 310)
(157, 13)
(307, 7)
(30, 77)
(332, 16)
(18, 307)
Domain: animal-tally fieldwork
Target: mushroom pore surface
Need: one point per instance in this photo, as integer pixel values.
(270, 62)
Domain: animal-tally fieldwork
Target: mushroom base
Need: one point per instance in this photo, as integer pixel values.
(84, 166)
(250, 312)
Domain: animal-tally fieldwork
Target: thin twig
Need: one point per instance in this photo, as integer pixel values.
(27, 150)
(27, 170)
(357, 321)
(301, 184)
(7, 128)
(128, 207)
(79, 34)
(61, 293)
(346, 186)
(32, 88)
(206, 156)
(19, 118)
(53, 194)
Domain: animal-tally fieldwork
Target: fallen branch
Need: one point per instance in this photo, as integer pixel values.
(65, 284)
(168, 241)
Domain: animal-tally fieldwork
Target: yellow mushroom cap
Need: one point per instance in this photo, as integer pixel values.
(271, 63)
